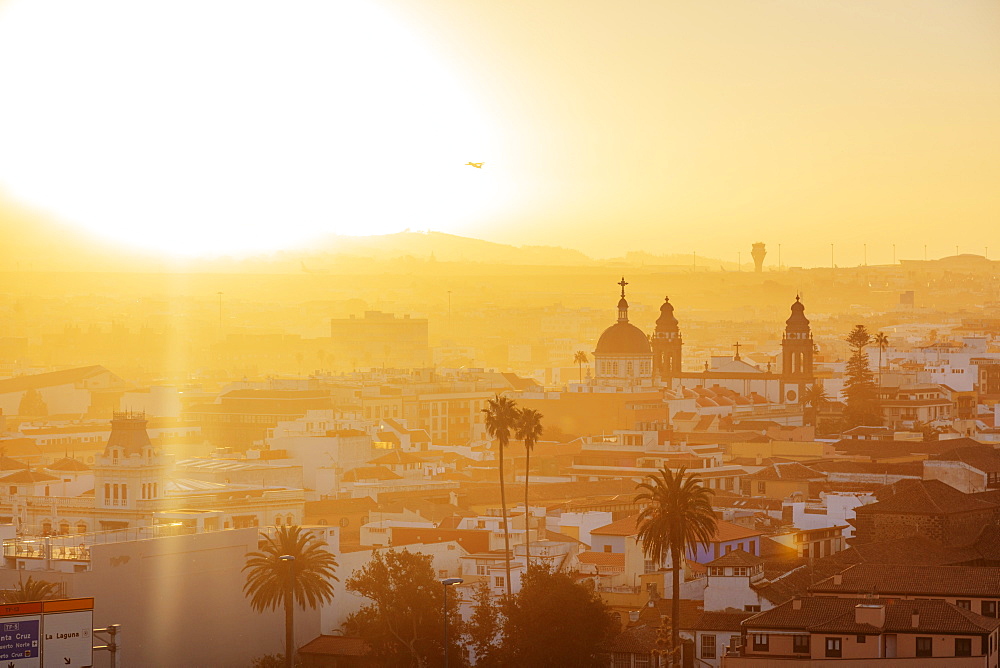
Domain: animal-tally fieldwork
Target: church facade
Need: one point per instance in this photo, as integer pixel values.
(628, 359)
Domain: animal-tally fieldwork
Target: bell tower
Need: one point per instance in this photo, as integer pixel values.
(667, 344)
(797, 345)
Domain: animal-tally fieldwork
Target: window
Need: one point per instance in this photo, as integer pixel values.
(498, 581)
(862, 640)
(800, 644)
(833, 647)
(716, 570)
(761, 487)
(708, 646)
(740, 570)
(760, 642)
(641, 661)
(964, 605)
(963, 646)
(607, 548)
(623, 660)
(649, 567)
(989, 609)
(482, 569)
(751, 608)
(925, 647)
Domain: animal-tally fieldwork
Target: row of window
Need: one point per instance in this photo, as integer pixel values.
(834, 646)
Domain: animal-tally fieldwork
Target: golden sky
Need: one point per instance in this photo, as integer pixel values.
(662, 126)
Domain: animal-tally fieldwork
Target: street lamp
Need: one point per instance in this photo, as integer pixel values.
(288, 561)
(447, 582)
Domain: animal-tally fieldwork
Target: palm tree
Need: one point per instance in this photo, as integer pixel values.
(501, 416)
(882, 341)
(291, 564)
(676, 515)
(32, 590)
(528, 428)
(814, 397)
(581, 358)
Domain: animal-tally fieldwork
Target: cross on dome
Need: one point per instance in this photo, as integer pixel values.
(623, 283)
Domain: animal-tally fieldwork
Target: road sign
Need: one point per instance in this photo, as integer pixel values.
(20, 642)
(67, 638)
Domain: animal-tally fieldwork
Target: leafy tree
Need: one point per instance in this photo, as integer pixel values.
(32, 404)
(501, 418)
(271, 661)
(555, 622)
(676, 514)
(404, 624)
(860, 390)
(274, 579)
(528, 429)
(30, 590)
(581, 358)
(485, 629)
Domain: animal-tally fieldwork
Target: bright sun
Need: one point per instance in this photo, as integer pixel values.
(230, 126)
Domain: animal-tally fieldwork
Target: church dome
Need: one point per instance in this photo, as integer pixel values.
(623, 338)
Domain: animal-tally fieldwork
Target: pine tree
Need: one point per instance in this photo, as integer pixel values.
(860, 389)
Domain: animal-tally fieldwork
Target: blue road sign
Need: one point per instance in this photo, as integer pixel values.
(18, 639)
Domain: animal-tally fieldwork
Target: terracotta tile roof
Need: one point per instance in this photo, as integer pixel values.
(67, 464)
(473, 541)
(27, 477)
(335, 646)
(912, 580)
(983, 457)
(638, 639)
(736, 558)
(614, 559)
(720, 621)
(914, 497)
(837, 615)
(397, 457)
(624, 527)
(370, 473)
(788, 471)
(727, 531)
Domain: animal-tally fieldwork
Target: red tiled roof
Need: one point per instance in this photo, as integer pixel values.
(624, 527)
(910, 579)
(335, 646)
(616, 559)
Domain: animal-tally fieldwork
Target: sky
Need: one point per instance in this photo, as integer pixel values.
(661, 126)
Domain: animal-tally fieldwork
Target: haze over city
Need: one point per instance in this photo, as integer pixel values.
(535, 333)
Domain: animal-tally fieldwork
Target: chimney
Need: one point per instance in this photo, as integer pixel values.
(796, 603)
(838, 579)
(867, 613)
(915, 618)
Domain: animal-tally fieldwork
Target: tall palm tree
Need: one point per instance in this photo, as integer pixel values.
(882, 341)
(528, 428)
(31, 590)
(501, 417)
(814, 397)
(676, 515)
(291, 564)
(580, 358)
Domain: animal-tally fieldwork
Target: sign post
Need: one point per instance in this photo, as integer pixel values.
(67, 639)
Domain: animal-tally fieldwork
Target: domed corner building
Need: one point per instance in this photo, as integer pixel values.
(623, 356)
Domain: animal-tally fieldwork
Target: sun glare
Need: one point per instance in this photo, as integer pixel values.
(227, 127)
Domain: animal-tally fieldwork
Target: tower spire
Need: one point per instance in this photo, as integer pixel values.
(622, 303)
